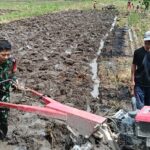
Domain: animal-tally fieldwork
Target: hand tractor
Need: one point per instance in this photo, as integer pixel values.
(124, 130)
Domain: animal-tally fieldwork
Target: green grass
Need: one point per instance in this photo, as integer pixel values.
(133, 18)
(140, 22)
(31, 8)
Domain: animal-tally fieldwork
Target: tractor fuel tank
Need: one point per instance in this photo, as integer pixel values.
(142, 120)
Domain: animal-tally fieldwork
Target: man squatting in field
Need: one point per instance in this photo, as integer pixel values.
(7, 70)
(140, 73)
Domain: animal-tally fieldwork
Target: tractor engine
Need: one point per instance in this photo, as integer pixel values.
(133, 129)
(143, 124)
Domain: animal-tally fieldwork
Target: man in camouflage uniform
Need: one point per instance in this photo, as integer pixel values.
(7, 70)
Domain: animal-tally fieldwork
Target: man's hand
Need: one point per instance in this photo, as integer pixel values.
(18, 86)
(132, 88)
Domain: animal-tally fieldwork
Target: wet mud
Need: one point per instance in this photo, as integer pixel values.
(53, 54)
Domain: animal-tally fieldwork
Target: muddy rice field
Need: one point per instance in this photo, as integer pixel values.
(54, 52)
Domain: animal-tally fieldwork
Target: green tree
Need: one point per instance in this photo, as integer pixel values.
(146, 4)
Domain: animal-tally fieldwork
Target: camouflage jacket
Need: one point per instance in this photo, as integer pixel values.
(7, 71)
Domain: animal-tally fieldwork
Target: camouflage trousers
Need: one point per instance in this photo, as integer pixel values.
(3, 117)
(3, 122)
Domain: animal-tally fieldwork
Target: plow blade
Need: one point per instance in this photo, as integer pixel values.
(84, 122)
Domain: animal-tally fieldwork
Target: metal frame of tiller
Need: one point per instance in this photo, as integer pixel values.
(82, 122)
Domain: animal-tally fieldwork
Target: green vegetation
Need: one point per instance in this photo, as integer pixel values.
(146, 4)
(29, 8)
(140, 21)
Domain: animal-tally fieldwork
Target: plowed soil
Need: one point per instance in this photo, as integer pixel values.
(53, 54)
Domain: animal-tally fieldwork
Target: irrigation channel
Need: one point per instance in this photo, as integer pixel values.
(94, 65)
